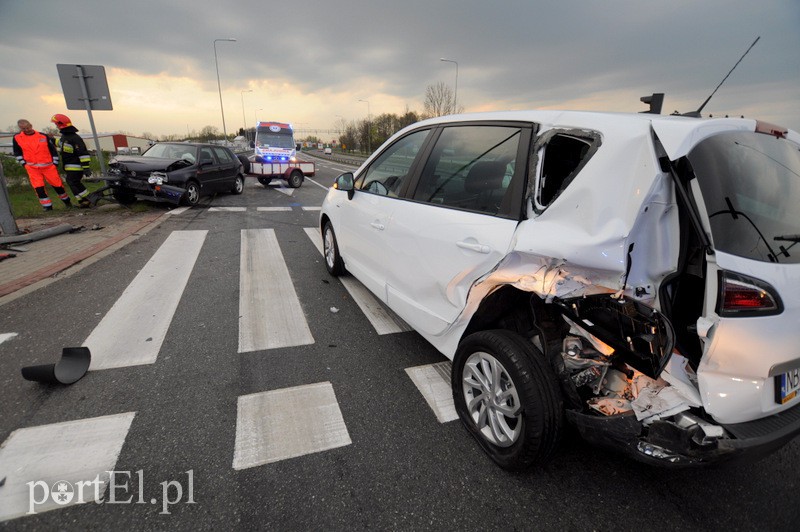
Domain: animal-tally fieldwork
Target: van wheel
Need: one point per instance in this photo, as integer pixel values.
(264, 180)
(333, 261)
(295, 179)
(507, 397)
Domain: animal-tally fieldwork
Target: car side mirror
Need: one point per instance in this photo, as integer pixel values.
(345, 183)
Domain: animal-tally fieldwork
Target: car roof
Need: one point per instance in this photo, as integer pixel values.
(678, 134)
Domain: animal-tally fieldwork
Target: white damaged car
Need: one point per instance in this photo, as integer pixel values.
(635, 275)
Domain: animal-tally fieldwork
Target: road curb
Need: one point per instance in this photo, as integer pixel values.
(43, 276)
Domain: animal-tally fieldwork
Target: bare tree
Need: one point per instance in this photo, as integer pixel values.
(439, 100)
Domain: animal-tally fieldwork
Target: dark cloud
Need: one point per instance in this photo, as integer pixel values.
(528, 53)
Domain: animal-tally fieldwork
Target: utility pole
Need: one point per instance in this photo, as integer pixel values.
(8, 225)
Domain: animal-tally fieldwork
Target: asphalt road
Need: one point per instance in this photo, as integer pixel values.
(387, 462)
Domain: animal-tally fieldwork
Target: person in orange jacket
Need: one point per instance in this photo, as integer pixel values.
(36, 152)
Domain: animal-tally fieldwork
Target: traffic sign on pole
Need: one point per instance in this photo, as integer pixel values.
(86, 87)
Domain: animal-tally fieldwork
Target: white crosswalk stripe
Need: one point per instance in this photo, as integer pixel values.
(280, 424)
(270, 315)
(433, 382)
(131, 333)
(383, 321)
(76, 455)
(227, 209)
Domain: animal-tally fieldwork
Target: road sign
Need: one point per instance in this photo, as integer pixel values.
(84, 84)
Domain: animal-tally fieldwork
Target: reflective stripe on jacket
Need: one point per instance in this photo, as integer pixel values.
(73, 150)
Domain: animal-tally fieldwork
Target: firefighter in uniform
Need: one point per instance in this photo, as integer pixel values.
(37, 153)
(74, 156)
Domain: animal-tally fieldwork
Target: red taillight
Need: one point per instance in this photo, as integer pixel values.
(744, 296)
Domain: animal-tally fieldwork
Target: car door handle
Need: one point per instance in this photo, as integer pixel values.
(472, 246)
(377, 225)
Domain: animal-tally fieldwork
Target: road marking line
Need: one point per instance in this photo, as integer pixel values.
(287, 423)
(383, 320)
(6, 336)
(323, 187)
(433, 382)
(72, 452)
(177, 211)
(270, 315)
(227, 209)
(273, 209)
(312, 208)
(131, 333)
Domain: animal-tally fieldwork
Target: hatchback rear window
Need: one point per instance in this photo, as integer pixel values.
(751, 188)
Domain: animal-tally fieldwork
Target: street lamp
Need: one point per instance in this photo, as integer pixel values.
(219, 87)
(244, 120)
(369, 127)
(455, 94)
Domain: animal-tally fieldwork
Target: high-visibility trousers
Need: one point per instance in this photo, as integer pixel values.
(38, 174)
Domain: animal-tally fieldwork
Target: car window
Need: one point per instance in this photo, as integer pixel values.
(750, 187)
(560, 159)
(223, 155)
(387, 174)
(470, 167)
(206, 155)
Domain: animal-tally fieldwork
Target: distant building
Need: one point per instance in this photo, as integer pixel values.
(110, 142)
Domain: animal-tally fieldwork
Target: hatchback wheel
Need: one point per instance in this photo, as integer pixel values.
(192, 195)
(238, 185)
(507, 397)
(333, 261)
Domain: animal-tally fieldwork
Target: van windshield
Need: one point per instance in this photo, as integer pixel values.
(751, 188)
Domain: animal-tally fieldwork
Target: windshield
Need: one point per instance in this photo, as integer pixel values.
(265, 137)
(751, 187)
(172, 151)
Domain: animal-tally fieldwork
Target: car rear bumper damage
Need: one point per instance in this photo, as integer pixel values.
(686, 439)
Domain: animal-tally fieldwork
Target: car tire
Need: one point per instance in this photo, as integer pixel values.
(522, 429)
(238, 185)
(264, 180)
(295, 179)
(192, 195)
(245, 163)
(124, 197)
(330, 249)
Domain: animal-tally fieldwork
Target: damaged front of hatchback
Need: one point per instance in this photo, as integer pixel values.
(657, 275)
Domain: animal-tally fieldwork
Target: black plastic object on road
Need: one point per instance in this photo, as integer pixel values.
(73, 365)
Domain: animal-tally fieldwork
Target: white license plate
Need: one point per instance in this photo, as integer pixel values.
(787, 386)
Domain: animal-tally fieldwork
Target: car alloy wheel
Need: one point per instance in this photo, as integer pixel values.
(333, 261)
(507, 397)
(492, 399)
(238, 185)
(192, 193)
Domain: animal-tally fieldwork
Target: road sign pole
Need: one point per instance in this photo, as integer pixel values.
(8, 225)
(88, 103)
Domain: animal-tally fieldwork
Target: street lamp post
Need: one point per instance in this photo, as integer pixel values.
(455, 93)
(369, 128)
(244, 120)
(219, 86)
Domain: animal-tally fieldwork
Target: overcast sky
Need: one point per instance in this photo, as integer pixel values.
(309, 62)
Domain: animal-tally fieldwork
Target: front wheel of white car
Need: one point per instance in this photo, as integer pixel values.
(507, 397)
(330, 248)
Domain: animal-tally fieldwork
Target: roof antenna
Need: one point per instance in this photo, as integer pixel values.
(696, 114)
